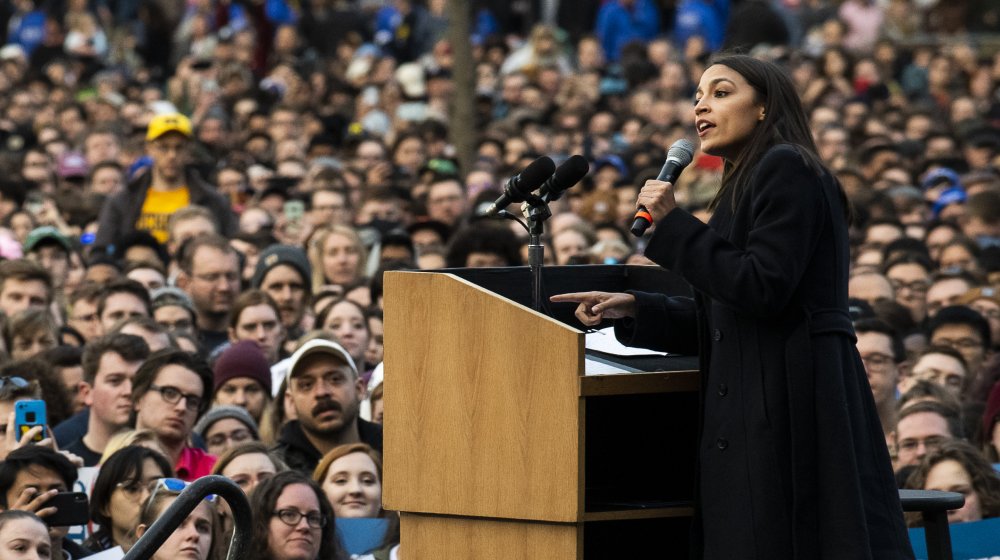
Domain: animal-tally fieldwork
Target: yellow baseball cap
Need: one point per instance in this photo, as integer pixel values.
(170, 122)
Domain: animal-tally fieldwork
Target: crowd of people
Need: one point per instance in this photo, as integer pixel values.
(199, 199)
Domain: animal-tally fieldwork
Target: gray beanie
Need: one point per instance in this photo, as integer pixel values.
(219, 412)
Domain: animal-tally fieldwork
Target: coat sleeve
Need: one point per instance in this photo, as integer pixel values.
(227, 219)
(667, 324)
(111, 222)
(787, 214)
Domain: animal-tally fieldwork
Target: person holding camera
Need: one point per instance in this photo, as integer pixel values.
(31, 478)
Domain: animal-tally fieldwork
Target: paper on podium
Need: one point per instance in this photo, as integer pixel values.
(605, 341)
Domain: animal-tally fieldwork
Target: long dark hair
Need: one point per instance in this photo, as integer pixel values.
(123, 467)
(784, 122)
(262, 503)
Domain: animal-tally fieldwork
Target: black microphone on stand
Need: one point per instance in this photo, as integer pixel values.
(519, 187)
(679, 156)
(568, 174)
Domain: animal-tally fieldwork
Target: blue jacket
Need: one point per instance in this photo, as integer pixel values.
(617, 25)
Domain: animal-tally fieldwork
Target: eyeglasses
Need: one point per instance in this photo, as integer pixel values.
(930, 443)
(291, 517)
(173, 396)
(917, 286)
(135, 487)
(877, 361)
(959, 343)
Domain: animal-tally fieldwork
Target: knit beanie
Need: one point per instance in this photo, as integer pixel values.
(282, 254)
(221, 412)
(243, 359)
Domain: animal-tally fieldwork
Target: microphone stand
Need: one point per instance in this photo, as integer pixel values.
(536, 211)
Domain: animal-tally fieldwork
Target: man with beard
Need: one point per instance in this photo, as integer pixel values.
(210, 274)
(326, 393)
(148, 201)
(283, 272)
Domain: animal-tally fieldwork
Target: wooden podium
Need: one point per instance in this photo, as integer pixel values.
(497, 446)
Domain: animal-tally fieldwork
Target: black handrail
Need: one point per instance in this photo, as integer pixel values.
(185, 503)
(933, 505)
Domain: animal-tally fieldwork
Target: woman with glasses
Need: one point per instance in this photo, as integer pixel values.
(194, 538)
(122, 484)
(292, 520)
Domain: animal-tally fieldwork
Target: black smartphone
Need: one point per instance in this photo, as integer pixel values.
(72, 509)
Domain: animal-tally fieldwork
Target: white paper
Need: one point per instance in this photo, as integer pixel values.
(604, 341)
(594, 367)
(114, 553)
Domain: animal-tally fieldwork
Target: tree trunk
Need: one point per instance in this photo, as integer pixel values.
(462, 126)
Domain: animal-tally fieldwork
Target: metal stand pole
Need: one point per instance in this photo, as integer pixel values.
(537, 213)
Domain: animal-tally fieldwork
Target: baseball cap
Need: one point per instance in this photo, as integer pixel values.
(170, 122)
(72, 165)
(318, 346)
(45, 233)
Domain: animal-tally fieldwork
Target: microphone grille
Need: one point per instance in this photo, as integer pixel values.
(682, 151)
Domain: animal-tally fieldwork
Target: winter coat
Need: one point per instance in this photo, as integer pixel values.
(792, 459)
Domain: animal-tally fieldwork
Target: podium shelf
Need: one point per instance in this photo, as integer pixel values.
(638, 513)
(682, 381)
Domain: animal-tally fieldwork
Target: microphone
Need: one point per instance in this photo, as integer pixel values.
(519, 187)
(568, 174)
(679, 156)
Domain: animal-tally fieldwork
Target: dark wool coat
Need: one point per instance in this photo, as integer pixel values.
(792, 460)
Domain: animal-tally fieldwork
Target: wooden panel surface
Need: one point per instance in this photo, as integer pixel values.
(429, 537)
(482, 409)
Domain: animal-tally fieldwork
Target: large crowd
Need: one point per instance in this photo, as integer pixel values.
(198, 201)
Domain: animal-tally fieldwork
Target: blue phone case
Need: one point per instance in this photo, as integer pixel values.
(28, 414)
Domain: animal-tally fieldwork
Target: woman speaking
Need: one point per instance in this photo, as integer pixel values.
(792, 460)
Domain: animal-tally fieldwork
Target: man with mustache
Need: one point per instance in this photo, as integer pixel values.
(325, 391)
